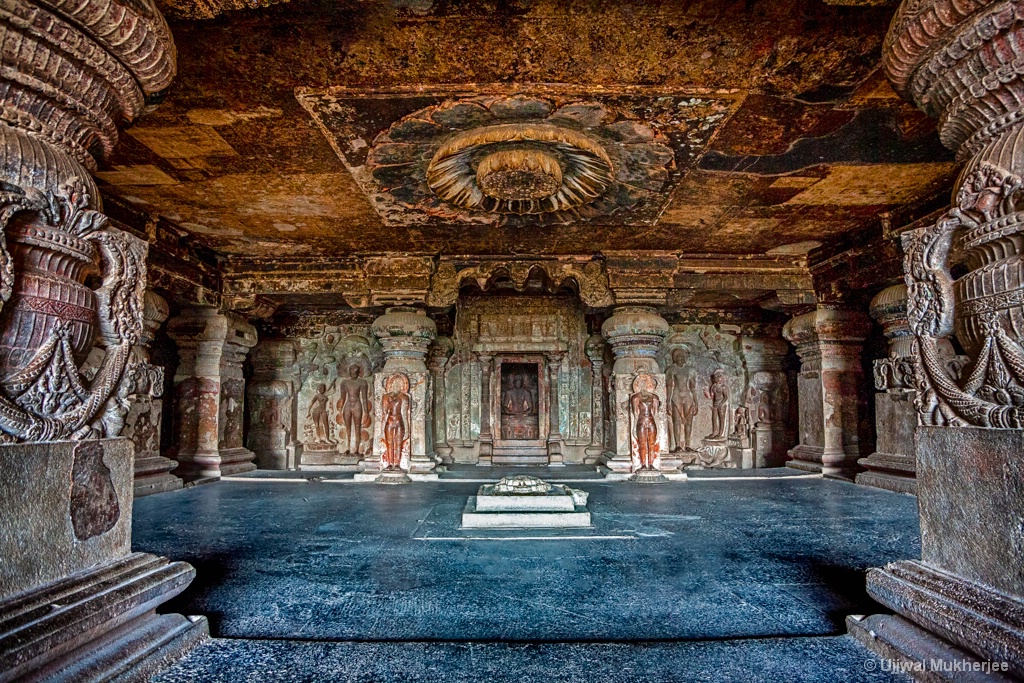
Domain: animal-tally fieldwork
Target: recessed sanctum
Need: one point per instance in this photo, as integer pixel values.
(436, 340)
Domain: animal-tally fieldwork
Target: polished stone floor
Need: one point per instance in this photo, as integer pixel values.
(709, 570)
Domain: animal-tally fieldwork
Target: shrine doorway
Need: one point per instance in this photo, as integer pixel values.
(520, 402)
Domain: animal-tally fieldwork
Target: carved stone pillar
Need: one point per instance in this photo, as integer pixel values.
(209, 393)
(486, 437)
(594, 349)
(400, 405)
(440, 351)
(892, 466)
(635, 333)
(961, 62)
(271, 393)
(829, 342)
(73, 72)
(145, 415)
(768, 397)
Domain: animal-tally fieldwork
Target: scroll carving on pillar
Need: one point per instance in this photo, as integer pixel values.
(55, 238)
(985, 306)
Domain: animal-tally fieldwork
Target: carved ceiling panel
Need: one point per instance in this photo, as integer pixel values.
(523, 158)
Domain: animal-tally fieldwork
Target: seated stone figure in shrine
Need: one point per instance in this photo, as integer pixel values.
(519, 411)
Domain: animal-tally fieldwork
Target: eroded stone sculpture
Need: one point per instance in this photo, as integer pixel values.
(683, 404)
(355, 413)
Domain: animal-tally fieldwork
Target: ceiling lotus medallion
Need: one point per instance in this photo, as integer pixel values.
(520, 168)
(518, 160)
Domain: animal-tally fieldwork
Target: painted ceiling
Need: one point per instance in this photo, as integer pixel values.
(325, 129)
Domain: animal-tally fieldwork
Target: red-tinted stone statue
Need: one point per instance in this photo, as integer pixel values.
(395, 408)
(645, 404)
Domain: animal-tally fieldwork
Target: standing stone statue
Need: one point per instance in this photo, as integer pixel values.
(681, 382)
(645, 404)
(395, 408)
(354, 409)
(318, 412)
(718, 392)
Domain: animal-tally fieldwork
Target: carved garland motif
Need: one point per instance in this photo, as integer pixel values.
(48, 398)
(991, 393)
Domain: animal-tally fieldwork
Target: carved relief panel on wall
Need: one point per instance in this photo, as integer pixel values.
(335, 401)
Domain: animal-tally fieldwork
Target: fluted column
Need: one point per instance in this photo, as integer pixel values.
(271, 393)
(486, 437)
(961, 63)
(555, 428)
(595, 348)
(829, 342)
(209, 393)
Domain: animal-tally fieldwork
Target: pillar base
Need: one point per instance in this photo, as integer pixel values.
(964, 613)
(890, 472)
(99, 625)
(200, 467)
(919, 653)
(153, 475)
(810, 459)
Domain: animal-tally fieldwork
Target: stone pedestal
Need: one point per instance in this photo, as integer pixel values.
(75, 601)
(524, 502)
(829, 343)
(271, 393)
(144, 420)
(405, 335)
(209, 393)
(635, 333)
(892, 466)
(968, 587)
